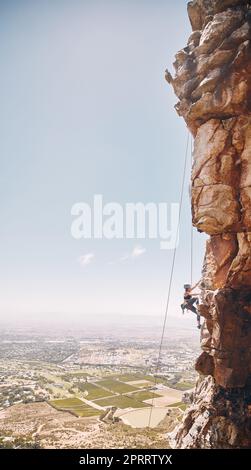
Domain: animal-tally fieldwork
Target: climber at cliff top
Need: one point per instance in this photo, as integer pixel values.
(190, 299)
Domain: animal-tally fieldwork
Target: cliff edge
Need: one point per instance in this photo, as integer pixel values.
(213, 84)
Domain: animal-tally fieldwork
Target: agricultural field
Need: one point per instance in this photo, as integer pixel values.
(116, 386)
(58, 430)
(183, 386)
(122, 401)
(131, 377)
(141, 384)
(182, 406)
(75, 406)
(94, 392)
(144, 395)
(140, 377)
(67, 402)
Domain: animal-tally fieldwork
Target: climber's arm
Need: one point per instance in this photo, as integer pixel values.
(194, 287)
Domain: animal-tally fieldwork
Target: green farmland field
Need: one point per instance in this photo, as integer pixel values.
(94, 392)
(182, 406)
(131, 377)
(67, 402)
(116, 386)
(74, 405)
(141, 396)
(122, 401)
(183, 386)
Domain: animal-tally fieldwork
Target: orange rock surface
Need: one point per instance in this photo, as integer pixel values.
(213, 83)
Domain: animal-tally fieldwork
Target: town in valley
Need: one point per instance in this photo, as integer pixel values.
(74, 388)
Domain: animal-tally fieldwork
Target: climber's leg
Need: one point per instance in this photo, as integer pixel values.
(183, 307)
(192, 308)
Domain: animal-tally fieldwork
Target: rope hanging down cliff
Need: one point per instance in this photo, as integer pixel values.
(172, 269)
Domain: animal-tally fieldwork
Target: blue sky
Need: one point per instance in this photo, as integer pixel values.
(85, 110)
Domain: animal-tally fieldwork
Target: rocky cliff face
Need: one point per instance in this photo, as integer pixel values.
(213, 84)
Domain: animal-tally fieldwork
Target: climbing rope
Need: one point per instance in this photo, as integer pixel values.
(191, 248)
(171, 274)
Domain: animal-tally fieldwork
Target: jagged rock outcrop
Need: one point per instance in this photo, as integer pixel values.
(217, 418)
(213, 84)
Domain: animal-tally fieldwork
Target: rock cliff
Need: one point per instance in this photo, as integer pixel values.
(213, 84)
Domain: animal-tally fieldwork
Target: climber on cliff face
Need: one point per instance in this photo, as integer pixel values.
(191, 298)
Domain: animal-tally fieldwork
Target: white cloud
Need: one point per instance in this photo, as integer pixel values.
(138, 251)
(135, 253)
(86, 259)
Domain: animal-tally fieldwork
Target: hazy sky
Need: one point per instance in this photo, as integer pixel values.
(85, 110)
